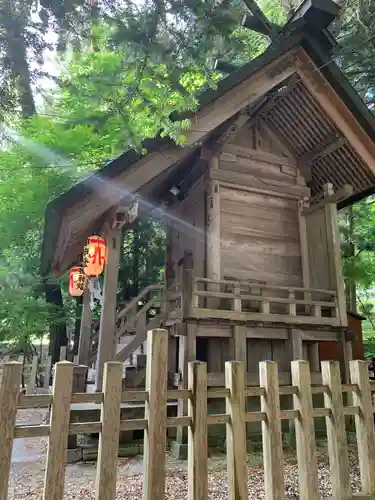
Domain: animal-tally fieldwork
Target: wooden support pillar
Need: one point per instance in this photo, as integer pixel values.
(187, 284)
(296, 353)
(334, 255)
(107, 343)
(85, 334)
(78, 385)
(295, 338)
(213, 249)
(346, 357)
(313, 356)
(186, 353)
(239, 345)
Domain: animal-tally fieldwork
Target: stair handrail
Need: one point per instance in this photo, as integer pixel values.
(139, 313)
(134, 301)
(138, 339)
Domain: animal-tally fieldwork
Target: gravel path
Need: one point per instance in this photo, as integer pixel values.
(29, 460)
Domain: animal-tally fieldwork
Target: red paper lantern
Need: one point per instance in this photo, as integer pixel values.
(77, 281)
(94, 256)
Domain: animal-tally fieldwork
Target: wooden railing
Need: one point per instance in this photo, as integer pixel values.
(150, 297)
(244, 300)
(155, 423)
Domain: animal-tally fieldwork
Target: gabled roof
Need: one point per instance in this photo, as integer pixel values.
(293, 86)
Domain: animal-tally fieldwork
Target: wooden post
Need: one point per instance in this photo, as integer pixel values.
(47, 372)
(364, 423)
(346, 357)
(295, 337)
(63, 352)
(305, 432)
(156, 414)
(9, 392)
(33, 374)
(78, 386)
(187, 284)
(313, 356)
(334, 256)
(239, 345)
(85, 333)
(236, 431)
(304, 248)
(186, 352)
(271, 432)
(109, 437)
(197, 434)
(336, 433)
(107, 340)
(213, 246)
(59, 430)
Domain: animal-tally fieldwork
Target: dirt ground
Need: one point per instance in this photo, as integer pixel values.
(28, 466)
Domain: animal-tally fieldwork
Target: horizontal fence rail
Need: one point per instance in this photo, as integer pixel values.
(197, 420)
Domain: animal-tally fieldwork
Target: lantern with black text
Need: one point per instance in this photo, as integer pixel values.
(77, 281)
(94, 256)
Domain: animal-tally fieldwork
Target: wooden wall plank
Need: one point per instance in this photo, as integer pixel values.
(259, 238)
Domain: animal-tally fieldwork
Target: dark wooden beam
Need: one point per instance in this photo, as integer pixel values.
(268, 27)
(254, 23)
(224, 67)
(317, 13)
(195, 173)
(321, 151)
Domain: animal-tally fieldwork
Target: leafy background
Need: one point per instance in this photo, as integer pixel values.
(80, 82)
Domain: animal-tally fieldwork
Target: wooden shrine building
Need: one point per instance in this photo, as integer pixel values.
(250, 208)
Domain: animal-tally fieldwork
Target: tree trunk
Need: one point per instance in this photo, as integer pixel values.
(58, 337)
(14, 26)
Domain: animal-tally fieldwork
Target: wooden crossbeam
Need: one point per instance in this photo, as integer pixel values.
(269, 28)
(254, 23)
(321, 151)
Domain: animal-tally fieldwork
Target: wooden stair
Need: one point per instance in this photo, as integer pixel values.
(143, 313)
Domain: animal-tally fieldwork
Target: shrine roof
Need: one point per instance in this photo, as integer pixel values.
(294, 87)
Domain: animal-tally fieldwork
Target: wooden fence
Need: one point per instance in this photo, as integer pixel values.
(197, 420)
(36, 375)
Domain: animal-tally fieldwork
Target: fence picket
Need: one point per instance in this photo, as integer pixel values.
(236, 431)
(273, 458)
(109, 437)
(364, 423)
(59, 430)
(336, 433)
(9, 392)
(156, 414)
(305, 432)
(197, 433)
(197, 395)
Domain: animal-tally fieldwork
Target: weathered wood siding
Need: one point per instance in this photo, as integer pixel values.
(317, 242)
(257, 135)
(259, 229)
(187, 231)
